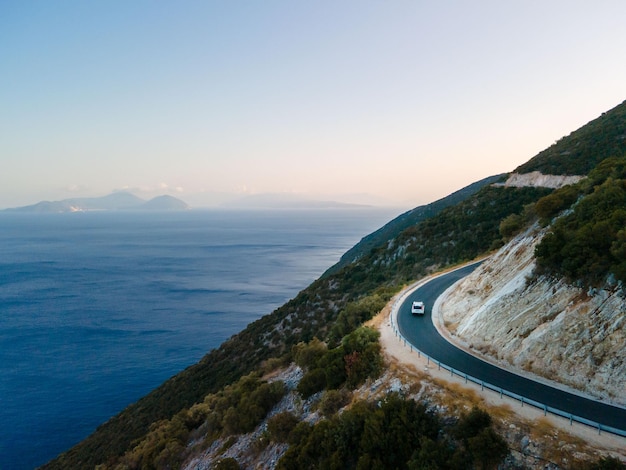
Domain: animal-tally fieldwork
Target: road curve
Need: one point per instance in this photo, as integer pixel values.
(422, 334)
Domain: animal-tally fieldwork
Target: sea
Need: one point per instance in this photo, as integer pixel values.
(99, 308)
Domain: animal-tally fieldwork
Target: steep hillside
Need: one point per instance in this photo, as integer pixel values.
(541, 325)
(552, 301)
(580, 152)
(390, 230)
(333, 306)
(329, 308)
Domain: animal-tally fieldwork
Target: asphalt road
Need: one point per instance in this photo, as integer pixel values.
(420, 331)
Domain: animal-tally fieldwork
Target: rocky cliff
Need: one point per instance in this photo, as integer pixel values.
(539, 325)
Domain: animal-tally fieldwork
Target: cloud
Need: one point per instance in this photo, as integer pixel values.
(75, 188)
(156, 190)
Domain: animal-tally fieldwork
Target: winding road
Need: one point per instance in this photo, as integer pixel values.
(422, 334)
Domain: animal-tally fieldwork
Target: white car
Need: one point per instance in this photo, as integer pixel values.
(417, 308)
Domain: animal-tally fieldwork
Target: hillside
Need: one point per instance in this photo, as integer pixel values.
(582, 150)
(332, 308)
(540, 325)
(551, 302)
(390, 230)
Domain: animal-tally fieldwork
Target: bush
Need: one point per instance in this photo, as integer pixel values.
(335, 368)
(481, 444)
(306, 355)
(280, 426)
(333, 401)
(362, 355)
(396, 433)
(469, 425)
(357, 313)
(589, 244)
(549, 206)
(312, 382)
(487, 448)
(511, 225)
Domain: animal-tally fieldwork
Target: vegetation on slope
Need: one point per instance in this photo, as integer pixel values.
(582, 150)
(396, 433)
(457, 233)
(238, 408)
(410, 218)
(588, 244)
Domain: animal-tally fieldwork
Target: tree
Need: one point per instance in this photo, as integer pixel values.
(487, 449)
(280, 426)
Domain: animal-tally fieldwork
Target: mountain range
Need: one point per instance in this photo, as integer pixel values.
(117, 201)
(563, 245)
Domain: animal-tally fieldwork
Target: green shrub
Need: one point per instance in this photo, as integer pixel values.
(306, 355)
(333, 401)
(511, 225)
(334, 367)
(362, 358)
(395, 433)
(551, 205)
(487, 448)
(281, 425)
(470, 424)
(356, 313)
(312, 382)
(480, 443)
(589, 244)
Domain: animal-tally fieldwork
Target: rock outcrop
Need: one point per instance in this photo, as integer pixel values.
(538, 179)
(539, 325)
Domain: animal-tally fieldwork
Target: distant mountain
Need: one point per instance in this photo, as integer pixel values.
(164, 203)
(112, 202)
(283, 201)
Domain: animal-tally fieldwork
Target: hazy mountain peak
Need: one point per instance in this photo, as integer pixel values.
(111, 202)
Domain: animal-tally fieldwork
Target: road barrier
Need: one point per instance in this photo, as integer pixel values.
(503, 392)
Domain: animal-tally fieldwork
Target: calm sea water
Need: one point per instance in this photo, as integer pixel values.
(97, 309)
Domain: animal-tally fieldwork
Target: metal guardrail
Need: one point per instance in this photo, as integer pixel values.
(503, 392)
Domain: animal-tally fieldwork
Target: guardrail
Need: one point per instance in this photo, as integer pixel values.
(503, 392)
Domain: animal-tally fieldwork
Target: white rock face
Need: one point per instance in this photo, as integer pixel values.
(538, 179)
(548, 328)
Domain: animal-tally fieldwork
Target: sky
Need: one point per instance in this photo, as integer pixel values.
(394, 101)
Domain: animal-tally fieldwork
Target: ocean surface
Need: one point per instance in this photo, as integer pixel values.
(97, 309)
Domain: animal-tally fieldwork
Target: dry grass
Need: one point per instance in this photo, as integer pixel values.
(458, 398)
(501, 412)
(542, 428)
(450, 326)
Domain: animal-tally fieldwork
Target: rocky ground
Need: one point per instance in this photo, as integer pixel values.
(537, 179)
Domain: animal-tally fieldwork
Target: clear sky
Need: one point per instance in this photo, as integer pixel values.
(404, 100)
